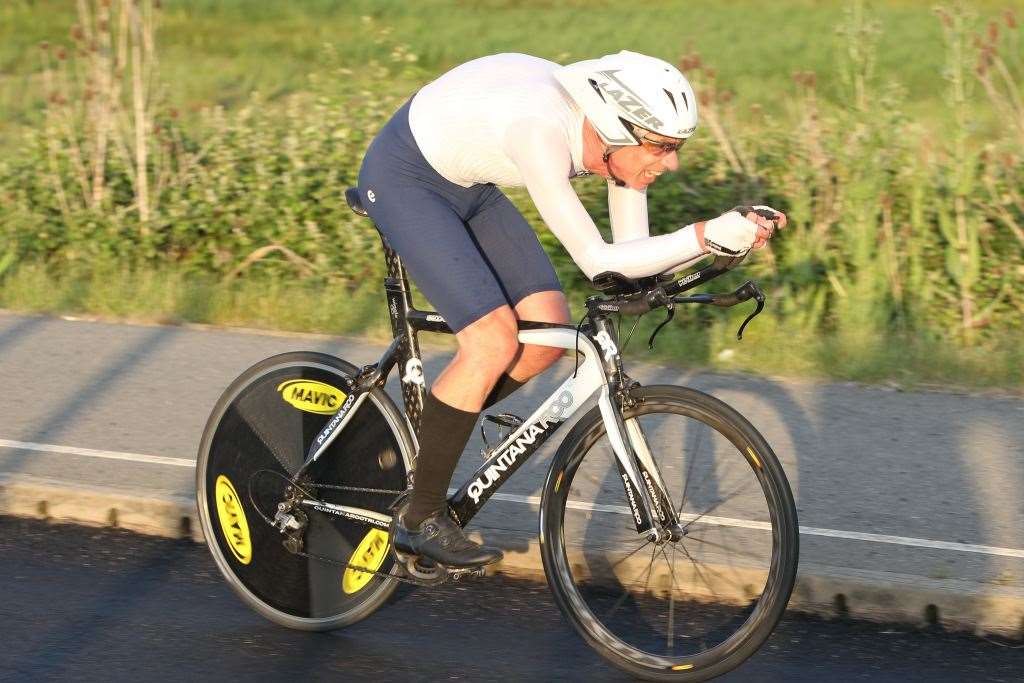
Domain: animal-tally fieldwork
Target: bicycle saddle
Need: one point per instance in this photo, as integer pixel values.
(354, 202)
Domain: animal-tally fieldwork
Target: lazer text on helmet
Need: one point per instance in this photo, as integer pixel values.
(628, 100)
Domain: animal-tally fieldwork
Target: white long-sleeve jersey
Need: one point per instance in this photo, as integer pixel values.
(504, 119)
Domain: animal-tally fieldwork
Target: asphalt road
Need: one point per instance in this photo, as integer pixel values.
(95, 604)
(932, 466)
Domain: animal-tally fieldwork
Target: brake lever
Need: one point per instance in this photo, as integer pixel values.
(759, 297)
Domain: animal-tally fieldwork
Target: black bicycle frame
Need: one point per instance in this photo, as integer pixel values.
(407, 322)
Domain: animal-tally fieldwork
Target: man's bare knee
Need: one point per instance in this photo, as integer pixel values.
(547, 306)
(540, 358)
(490, 343)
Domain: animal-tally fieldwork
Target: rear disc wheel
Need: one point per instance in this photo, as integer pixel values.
(255, 440)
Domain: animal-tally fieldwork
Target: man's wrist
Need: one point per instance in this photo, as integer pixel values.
(698, 228)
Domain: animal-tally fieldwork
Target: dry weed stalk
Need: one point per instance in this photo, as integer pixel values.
(112, 60)
(826, 208)
(994, 70)
(998, 59)
(303, 265)
(711, 99)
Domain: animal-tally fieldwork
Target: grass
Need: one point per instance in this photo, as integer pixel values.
(699, 339)
(174, 297)
(886, 234)
(218, 51)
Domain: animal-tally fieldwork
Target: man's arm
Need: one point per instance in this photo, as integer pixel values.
(541, 153)
(627, 209)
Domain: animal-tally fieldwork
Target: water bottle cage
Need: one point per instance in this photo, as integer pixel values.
(506, 422)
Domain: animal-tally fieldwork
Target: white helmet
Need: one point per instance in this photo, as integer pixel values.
(628, 87)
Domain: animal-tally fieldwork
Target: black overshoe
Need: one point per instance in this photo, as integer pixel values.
(441, 540)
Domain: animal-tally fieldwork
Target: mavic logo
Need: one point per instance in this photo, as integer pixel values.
(311, 396)
(628, 100)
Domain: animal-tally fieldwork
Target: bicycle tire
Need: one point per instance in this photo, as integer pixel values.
(259, 430)
(729, 592)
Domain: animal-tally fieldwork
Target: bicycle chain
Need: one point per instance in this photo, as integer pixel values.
(367, 570)
(355, 489)
(339, 563)
(349, 565)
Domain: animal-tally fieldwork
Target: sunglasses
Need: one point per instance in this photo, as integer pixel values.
(659, 147)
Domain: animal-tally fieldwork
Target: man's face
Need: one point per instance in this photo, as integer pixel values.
(639, 165)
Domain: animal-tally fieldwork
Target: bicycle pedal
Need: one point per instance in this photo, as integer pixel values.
(467, 573)
(420, 569)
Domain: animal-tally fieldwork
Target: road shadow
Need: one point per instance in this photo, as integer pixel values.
(76, 405)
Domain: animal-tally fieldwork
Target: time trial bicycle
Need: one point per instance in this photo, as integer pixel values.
(668, 532)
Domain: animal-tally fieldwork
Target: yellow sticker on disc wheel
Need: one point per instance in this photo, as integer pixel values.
(232, 520)
(370, 553)
(311, 396)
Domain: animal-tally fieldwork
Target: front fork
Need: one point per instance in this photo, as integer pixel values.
(649, 502)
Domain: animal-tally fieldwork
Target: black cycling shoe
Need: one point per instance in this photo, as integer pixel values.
(440, 539)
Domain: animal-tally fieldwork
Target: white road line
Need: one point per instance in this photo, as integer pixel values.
(92, 453)
(804, 530)
(915, 542)
(594, 507)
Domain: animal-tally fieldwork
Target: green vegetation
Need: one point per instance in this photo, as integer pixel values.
(215, 52)
(187, 164)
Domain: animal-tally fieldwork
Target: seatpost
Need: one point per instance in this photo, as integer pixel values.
(399, 295)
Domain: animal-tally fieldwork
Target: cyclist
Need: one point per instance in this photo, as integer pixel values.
(429, 180)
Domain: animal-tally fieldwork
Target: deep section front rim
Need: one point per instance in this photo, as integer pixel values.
(706, 603)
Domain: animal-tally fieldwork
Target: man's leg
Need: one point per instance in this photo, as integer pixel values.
(527, 278)
(546, 307)
(486, 348)
(488, 351)
(450, 411)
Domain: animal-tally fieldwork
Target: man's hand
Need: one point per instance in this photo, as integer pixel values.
(739, 230)
(767, 219)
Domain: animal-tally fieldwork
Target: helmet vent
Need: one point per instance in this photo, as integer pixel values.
(672, 100)
(686, 102)
(593, 84)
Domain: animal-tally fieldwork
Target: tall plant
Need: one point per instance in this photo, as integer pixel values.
(959, 223)
(865, 122)
(101, 106)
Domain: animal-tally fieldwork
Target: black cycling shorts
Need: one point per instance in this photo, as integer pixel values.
(468, 249)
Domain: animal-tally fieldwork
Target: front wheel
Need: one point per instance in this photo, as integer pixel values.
(686, 610)
(256, 439)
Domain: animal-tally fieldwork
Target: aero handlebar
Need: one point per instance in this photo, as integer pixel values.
(658, 296)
